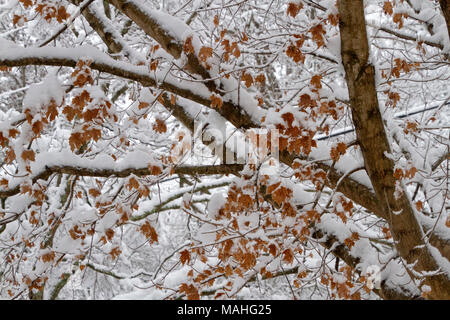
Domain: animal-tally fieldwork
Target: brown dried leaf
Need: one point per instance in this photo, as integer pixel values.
(37, 127)
(159, 126)
(185, 256)
(12, 133)
(115, 253)
(387, 8)
(133, 183)
(94, 192)
(26, 3)
(293, 9)
(281, 195)
(205, 53)
(143, 105)
(190, 291)
(188, 47)
(338, 151)
(247, 78)
(288, 256)
(419, 205)
(149, 232)
(316, 81)
(273, 249)
(216, 101)
(154, 65)
(295, 54)
(62, 14)
(317, 33)
(28, 155)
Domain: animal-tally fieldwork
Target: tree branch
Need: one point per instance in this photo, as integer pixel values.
(105, 173)
(405, 36)
(445, 7)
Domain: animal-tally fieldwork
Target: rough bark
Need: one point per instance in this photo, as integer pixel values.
(445, 7)
(360, 77)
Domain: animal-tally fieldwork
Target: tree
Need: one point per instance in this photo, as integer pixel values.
(321, 126)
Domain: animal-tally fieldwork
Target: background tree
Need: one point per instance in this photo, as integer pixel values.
(319, 167)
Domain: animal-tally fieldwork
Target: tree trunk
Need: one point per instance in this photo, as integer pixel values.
(446, 12)
(360, 77)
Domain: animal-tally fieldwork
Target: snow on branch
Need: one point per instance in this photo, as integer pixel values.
(179, 40)
(67, 163)
(17, 56)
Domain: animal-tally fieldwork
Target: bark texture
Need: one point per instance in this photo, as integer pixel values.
(411, 244)
(445, 7)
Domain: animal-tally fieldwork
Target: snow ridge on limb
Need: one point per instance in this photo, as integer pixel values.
(108, 33)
